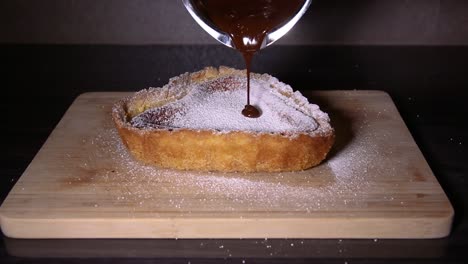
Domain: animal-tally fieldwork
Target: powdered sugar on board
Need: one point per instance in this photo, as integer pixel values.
(217, 104)
(341, 181)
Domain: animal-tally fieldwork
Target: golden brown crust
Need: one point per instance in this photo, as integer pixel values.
(206, 150)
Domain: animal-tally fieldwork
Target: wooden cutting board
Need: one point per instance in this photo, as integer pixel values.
(375, 184)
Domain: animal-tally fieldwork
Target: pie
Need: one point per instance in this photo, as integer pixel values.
(195, 123)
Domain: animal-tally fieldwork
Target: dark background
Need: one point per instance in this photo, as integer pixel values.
(136, 22)
(53, 50)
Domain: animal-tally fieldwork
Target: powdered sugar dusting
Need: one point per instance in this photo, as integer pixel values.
(217, 104)
(304, 191)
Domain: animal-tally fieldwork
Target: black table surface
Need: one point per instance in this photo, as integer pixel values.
(429, 86)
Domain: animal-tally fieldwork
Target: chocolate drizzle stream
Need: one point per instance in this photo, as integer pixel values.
(247, 22)
(249, 110)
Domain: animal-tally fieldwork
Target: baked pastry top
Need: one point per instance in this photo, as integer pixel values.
(195, 123)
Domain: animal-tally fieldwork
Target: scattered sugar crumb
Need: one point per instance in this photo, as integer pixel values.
(248, 191)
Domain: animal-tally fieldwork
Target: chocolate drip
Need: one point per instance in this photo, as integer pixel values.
(247, 22)
(251, 111)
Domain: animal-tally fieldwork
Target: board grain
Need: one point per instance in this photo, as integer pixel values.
(374, 184)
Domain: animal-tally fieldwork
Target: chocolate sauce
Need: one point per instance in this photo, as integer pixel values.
(247, 22)
(251, 111)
